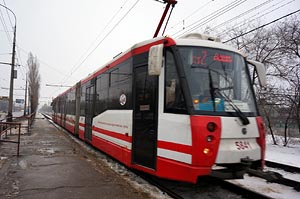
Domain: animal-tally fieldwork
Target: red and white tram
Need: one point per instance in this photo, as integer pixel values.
(174, 108)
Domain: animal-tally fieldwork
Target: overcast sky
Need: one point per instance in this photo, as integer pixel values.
(72, 38)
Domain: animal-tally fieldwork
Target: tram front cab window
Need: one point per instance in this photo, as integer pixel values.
(218, 81)
(174, 100)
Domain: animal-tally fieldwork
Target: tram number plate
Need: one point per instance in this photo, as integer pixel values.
(243, 145)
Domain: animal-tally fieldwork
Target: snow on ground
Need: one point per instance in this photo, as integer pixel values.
(286, 155)
(277, 153)
(272, 190)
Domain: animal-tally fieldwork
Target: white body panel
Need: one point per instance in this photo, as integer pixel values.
(70, 117)
(235, 145)
(175, 128)
(107, 121)
(229, 152)
(232, 128)
(81, 121)
(174, 155)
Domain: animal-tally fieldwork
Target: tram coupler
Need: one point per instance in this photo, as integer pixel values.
(233, 171)
(269, 176)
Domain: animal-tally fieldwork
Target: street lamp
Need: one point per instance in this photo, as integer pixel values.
(10, 102)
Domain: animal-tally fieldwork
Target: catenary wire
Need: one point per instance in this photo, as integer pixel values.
(209, 17)
(102, 31)
(193, 13)
(122, 18)
(243, 14)
(262, 26)
(251, 19)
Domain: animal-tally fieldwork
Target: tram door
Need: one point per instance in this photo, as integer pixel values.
(144, 146)
(89, 113)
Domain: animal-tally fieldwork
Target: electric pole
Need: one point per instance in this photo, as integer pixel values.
(11, 89)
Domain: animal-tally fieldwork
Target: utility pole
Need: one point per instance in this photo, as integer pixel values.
(11, 90)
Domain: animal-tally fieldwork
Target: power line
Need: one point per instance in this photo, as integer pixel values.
(5, 28)
(212, 16)
(43, 62)
(8, 14)
(243, 14)
(262, 26)
(197, 10)
(123, 17)
(250, 19)
(93, 42)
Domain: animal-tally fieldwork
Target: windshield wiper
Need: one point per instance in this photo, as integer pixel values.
(212, 90)
(241, 115)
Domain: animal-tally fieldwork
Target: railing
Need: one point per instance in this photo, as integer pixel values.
(6, 128)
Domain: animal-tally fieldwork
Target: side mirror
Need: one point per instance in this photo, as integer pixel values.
(261, 71)
(155, 59)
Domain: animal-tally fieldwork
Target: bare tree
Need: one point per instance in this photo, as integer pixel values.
(288, 32)
(276, 46)
(34, 82)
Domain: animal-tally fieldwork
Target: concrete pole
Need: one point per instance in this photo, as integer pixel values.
(11, 88)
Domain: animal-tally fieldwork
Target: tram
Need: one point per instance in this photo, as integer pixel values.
(174, 108)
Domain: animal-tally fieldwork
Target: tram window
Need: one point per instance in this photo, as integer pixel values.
(125, 85)
(120, 85)
(174, 101)
(113, 89)
(82, 100)
(101, 93)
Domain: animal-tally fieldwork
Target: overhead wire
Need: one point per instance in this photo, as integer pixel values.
(262, 26)
(255, 17)
(100, 42)
(210, 17)
(8, 14)
(5, 28)
(102, 31)
(242, 14)
(193, 13)
(18, 55)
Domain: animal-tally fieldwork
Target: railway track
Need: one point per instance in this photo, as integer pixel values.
(204, 189)
(284, 167)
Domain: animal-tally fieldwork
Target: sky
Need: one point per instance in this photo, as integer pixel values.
(73, 38)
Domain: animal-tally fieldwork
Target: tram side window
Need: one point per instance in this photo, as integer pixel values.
(124, 95)
(71, 102)
(120, 86)
(82, 100)
(174, 100)
(113, 88)
(101, 93)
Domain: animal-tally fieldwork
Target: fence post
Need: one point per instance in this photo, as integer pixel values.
(19, 135)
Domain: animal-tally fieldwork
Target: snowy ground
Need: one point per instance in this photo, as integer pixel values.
(289, 155)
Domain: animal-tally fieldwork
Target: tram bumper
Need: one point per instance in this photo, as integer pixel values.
(232, 171)
(235, 157)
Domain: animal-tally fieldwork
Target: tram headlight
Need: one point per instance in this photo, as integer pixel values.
(206, 151)
(211, 126)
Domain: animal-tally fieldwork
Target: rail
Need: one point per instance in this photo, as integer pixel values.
(18, 123)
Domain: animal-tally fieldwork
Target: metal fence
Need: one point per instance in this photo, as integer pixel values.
(18, 123)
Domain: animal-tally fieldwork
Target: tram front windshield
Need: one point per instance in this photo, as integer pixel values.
(218, 80)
